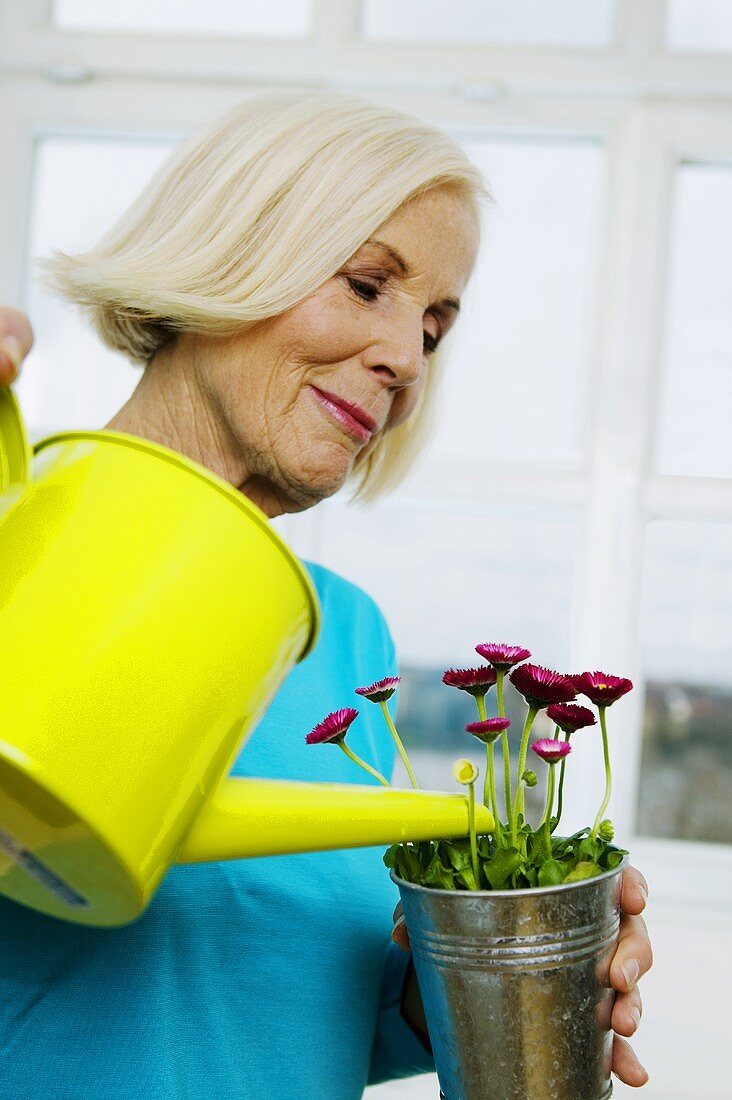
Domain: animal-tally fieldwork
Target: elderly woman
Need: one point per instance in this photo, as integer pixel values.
(285, 280)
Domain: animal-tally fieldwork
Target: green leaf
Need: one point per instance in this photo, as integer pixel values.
(613, 859)
(586, 869)
(591, 848)
(390, 855)
(502, 866)
(551, 873)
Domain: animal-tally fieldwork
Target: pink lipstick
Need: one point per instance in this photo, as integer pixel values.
(351, 417)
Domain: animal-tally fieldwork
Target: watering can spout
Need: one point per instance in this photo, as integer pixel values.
(262, 817)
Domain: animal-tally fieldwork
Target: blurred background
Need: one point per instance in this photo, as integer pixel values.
(577, 495)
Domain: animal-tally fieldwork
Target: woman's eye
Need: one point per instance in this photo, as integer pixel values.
(367, 291)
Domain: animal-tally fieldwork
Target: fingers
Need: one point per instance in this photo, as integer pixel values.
(627, 1012)
(399, 932)
(633, 955)
(634, 893)
(625, 1065)
(16, 340)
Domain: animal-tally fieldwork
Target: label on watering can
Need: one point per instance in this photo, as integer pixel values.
(39, 871)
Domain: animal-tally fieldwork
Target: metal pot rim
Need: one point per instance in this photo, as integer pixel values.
(528, 891)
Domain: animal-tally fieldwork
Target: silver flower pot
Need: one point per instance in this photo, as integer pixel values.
(515, 987)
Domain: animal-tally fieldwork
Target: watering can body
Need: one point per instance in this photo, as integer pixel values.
(148, 614)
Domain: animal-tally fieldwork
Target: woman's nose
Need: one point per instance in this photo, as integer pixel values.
(400, 352)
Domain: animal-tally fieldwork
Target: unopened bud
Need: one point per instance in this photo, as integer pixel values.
(530, 778)
(606, 830)
(465, 771)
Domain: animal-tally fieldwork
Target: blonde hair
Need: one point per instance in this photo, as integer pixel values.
(252, 213)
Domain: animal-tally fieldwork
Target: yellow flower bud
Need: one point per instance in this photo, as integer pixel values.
(465, 771)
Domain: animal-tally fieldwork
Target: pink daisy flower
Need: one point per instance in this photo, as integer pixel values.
(381, 690)
(550, 750)
(476, 681)
(489, 729)
(570, 717)
(502, 656)
(540, 686)
(333, 728)
(601, 688)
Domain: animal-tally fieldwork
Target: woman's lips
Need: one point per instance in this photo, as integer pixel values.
(349, 416)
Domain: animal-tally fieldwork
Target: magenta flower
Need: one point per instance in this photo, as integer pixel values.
(488, 730)
(333, 728)
(550, 750)
(540, 686)
(570, 717)
(502, 656)
(381, 690)
(601, 688)
(476, 681)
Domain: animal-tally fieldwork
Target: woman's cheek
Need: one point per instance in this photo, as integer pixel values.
(404, 404)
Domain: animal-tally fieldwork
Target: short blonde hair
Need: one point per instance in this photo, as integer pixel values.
(252, 213)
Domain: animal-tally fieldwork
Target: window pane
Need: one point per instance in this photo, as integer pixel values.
(448, 578)
(519, 22)
(278, 18)
(686, 769)
(696, 395)
(81, 186)
(519, 351)
(699, 25)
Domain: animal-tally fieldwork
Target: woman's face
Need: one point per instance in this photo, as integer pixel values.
(301, 395)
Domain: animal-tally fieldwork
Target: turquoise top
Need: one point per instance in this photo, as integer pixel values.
(272, 978)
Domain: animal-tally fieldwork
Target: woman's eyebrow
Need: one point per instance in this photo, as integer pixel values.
(405, 269)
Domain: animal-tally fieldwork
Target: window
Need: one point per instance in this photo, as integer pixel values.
(687, 657)
(512, 22)
(696, 393)
(278, 18)
(704, 25)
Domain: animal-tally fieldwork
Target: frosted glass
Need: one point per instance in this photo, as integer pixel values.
(699, 25)
(696, 384)
(81, 186)
(521, 22)
(519, 353)
(686, 612)
(276, 19)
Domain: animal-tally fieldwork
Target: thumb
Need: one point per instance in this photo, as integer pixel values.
(16, 340)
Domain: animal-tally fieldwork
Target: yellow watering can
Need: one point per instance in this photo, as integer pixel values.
(148, 614)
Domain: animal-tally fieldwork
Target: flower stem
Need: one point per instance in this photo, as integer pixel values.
(398, 743)
(500, 673)
(608, 776)
(548, 812)
(518, 805)
(489, 786)
(473, 843)
(363, 764)
(561, 780)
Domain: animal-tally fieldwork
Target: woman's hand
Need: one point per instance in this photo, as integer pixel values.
(633, 946)
(16, 340)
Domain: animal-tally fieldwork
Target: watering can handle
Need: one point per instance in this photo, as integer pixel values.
(259, 817)
(15, 451)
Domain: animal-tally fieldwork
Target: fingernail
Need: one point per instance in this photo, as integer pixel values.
(630, 969)
(635, 1014)
(10, 346)
(643, 891)
(398, 921)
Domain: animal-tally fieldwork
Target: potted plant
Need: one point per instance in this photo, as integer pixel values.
(512, 932)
